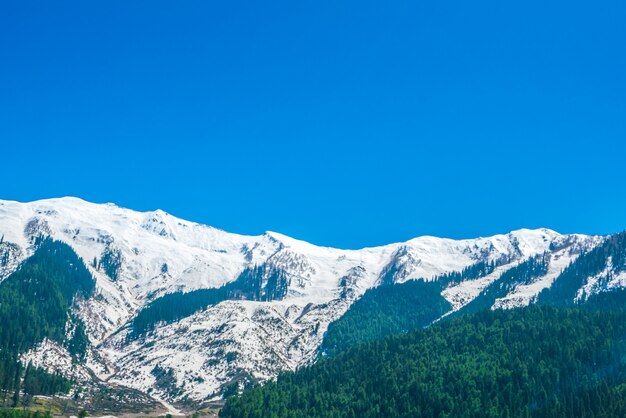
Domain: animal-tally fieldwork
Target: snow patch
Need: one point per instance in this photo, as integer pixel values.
(54, 358)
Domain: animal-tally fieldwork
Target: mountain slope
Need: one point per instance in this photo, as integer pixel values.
(490, 364)
(187, 312)
(36, 303)
(386, 310)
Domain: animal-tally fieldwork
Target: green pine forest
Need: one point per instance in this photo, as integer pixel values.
(35, 303)
(564, 289)
(263, 283)
(390, 355)
(414, 304)
(564, 357)
(538, 361)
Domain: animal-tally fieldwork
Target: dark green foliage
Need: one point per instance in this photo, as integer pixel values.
(475, 271)
(39, 382)
(111, 262)
(165, 379)
(10, 374)
(35, 304)
(262, 283)
(389, 272)
(613, 300)
(35, 300)
(386, 310)
(174, 306)
(78, 343)
(528, 362)
(565, 288)
(521, 274)
(8, 250)
(600, 400)
(23, 413)
(391, 309)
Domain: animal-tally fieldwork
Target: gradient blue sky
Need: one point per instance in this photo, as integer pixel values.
(343, 123)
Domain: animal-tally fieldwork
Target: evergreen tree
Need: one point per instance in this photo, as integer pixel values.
(35, 303)
(527, 362)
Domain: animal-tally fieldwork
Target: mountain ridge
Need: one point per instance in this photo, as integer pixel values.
(137, 258)
(276, 234)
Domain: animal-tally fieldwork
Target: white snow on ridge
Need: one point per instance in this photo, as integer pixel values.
(196, 256)
(160, 253)
(234, 338)
(617, 281)
(464, 292)
(195, 357)
(523, 295)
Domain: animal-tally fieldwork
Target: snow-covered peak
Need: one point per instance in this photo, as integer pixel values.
(162, 253)
(136, 257)
(159, 253)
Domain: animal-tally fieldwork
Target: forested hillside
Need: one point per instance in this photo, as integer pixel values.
(401, 307)
(521, 274)
(602, 262)
(386, 310)
(35, 303)
(261, 283)
(533, 361)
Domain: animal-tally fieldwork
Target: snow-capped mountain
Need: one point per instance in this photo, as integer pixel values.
(136, 258)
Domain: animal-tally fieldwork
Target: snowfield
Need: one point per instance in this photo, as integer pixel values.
(198, 356)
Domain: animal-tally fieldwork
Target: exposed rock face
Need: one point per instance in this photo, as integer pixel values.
(138, 257)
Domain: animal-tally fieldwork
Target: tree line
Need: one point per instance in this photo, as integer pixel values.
(537, 361)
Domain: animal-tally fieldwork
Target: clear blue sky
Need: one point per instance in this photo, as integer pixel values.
(343, 123)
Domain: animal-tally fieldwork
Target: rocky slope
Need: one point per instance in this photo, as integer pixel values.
(136, 258)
